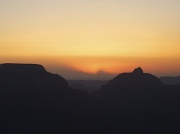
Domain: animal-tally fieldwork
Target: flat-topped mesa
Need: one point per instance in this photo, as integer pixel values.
(17, 68)
(29, 75)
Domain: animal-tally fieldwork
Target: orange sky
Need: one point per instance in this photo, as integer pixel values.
(92, 36)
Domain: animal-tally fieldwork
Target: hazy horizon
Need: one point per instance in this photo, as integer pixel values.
(72, 74)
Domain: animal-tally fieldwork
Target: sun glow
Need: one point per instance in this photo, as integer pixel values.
(113, 37)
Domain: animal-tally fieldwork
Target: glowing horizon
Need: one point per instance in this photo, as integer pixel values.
(92, 36)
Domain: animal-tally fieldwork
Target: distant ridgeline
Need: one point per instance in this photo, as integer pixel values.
(33, 100)
(168, 80)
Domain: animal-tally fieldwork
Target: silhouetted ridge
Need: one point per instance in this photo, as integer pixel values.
(21, 68)
(137, 81)
(34, 101)
(29, 92)
(29, 76)
(139, 103)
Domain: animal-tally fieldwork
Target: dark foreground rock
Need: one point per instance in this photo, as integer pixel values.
(138, 102)
(34, 101)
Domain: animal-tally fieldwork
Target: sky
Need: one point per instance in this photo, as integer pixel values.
(92, 39)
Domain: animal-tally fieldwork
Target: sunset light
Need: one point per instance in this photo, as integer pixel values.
(92, 36)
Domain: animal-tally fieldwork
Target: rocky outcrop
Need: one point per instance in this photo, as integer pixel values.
(138, 71)
(132, 81)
